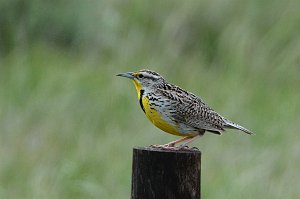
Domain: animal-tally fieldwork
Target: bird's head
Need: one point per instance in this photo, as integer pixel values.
(143, 79)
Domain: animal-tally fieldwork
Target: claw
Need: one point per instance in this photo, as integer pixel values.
(194, 148)
(171, 144)
(183, 147)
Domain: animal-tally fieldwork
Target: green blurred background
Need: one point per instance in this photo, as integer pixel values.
(68, 124)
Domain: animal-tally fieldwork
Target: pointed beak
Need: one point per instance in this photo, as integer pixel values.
(128, 75)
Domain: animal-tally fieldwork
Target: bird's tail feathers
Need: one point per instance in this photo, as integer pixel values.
(233, 125)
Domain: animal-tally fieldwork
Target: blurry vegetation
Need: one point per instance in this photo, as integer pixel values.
(68, 125)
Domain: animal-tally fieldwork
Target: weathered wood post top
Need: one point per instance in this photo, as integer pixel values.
(168, 174)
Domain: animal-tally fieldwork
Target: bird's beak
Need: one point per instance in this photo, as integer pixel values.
(128, 75)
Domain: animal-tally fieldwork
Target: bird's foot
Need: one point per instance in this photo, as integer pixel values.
(187, 148)
(173, 147)
(164, 146)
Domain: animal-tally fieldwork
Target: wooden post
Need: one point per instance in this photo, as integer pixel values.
(168, 174)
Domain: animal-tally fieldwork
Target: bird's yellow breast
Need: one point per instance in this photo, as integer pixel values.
(157, 119)
(153, 115)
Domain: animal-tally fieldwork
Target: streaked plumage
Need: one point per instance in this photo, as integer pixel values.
(175, 110)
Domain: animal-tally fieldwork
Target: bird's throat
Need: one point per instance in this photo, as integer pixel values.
(140, 93)
(138, 88)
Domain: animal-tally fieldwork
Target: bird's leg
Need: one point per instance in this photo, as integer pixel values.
(188, 142)
(172, 144)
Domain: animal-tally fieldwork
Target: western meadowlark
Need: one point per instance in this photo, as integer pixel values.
(175, 110)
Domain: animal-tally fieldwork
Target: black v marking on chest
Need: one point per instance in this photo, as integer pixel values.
(141, 100)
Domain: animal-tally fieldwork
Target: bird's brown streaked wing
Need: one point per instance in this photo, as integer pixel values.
(192, 111)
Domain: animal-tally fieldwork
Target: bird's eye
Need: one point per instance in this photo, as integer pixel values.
(141, 75)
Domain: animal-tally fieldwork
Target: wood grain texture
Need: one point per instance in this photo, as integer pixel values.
(168, 174)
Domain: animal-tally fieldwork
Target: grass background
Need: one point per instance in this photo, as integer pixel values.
(68, 124)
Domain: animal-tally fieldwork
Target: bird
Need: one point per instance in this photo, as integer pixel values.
(177, 111)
